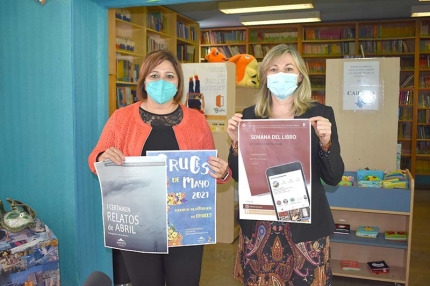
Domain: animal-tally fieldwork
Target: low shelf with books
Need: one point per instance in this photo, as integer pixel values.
(360, 206)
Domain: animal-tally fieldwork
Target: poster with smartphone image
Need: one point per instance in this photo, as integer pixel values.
(274, 160)
(289, 192)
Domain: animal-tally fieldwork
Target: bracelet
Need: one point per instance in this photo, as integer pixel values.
(235, 147)
(226, 175)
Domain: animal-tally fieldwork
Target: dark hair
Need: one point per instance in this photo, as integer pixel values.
(152, 60)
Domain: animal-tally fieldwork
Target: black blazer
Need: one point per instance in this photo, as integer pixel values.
(329, 168)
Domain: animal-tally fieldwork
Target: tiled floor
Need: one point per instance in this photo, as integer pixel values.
(218, 260)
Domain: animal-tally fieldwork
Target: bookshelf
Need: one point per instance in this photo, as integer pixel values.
(351, 205)
(136, 31)
(229, 41)
(408, 39)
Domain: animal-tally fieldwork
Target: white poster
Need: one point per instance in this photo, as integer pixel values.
(361, 85)
(134, 197)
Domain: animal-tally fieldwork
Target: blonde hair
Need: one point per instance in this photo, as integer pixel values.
(302, 95)
(152, 60)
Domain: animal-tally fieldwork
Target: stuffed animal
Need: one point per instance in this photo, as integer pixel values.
(246, 70)
(215, 56)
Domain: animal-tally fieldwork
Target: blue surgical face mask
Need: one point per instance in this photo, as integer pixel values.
(161, 91)
(282, 85)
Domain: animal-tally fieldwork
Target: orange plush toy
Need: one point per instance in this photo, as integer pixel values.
(215, 56)
(246, 70)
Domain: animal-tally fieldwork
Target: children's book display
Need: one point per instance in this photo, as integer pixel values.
(378, 267)
(367, 231)
(342, 228)
(396, 235)
(379, 179)
(349, 265)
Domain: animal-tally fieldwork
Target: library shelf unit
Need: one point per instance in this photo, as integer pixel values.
(229, 41)
(136, 31)
(408, 39)
(389, 209)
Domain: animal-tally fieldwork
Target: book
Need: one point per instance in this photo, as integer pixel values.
(349, 265)
(396, 235)
(342, 228)
(367, 231)
(378, 266)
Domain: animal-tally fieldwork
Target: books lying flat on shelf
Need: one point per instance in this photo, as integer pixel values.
(342, 228)
(378, 266)
(367, 231)
(349, 265)
(396, 235)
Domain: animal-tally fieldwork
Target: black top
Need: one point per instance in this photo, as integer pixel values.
(162, 136)
(328, 167)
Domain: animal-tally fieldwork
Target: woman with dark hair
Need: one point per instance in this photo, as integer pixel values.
(158, 121)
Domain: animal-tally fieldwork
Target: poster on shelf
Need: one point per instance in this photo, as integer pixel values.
(205, 88)
(191, 197)
(275, 170)
(361, 85)
(134, 208)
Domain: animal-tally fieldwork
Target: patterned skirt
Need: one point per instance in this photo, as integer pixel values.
(269, 257)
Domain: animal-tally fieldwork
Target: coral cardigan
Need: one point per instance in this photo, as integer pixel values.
(126, 131)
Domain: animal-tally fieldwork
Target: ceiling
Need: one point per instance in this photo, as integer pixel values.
(207, 14)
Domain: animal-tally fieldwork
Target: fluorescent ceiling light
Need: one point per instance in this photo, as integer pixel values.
(420, 10)
(252, 6)
(284, 18)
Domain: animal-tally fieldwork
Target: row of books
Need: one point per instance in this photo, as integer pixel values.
(425, 29)
(155, 44)
(393, 31)
(125, 95)
(424, 100)
(228, 51)
(424, 46)
(371, 232)
(423, 116)
(273, 37)
(406, 97)
(407, 63)
(424, 61)
(344, 48)
(423, 147)
(408, 82)
(123, 14)
(186, 53)
(404, 131)
(185, 31)
(422, 166)
(387, 47)
(315, 66)
(424, 81)
(259, 51)
(211, 37)
(379, 266)
(329, 33)
(126, 44)
(156, 21)
(126, 71)
(423, 132)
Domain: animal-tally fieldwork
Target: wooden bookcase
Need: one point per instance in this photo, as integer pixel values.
(136, 31)
(408, 39)
(229, 41)
(389, 209)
